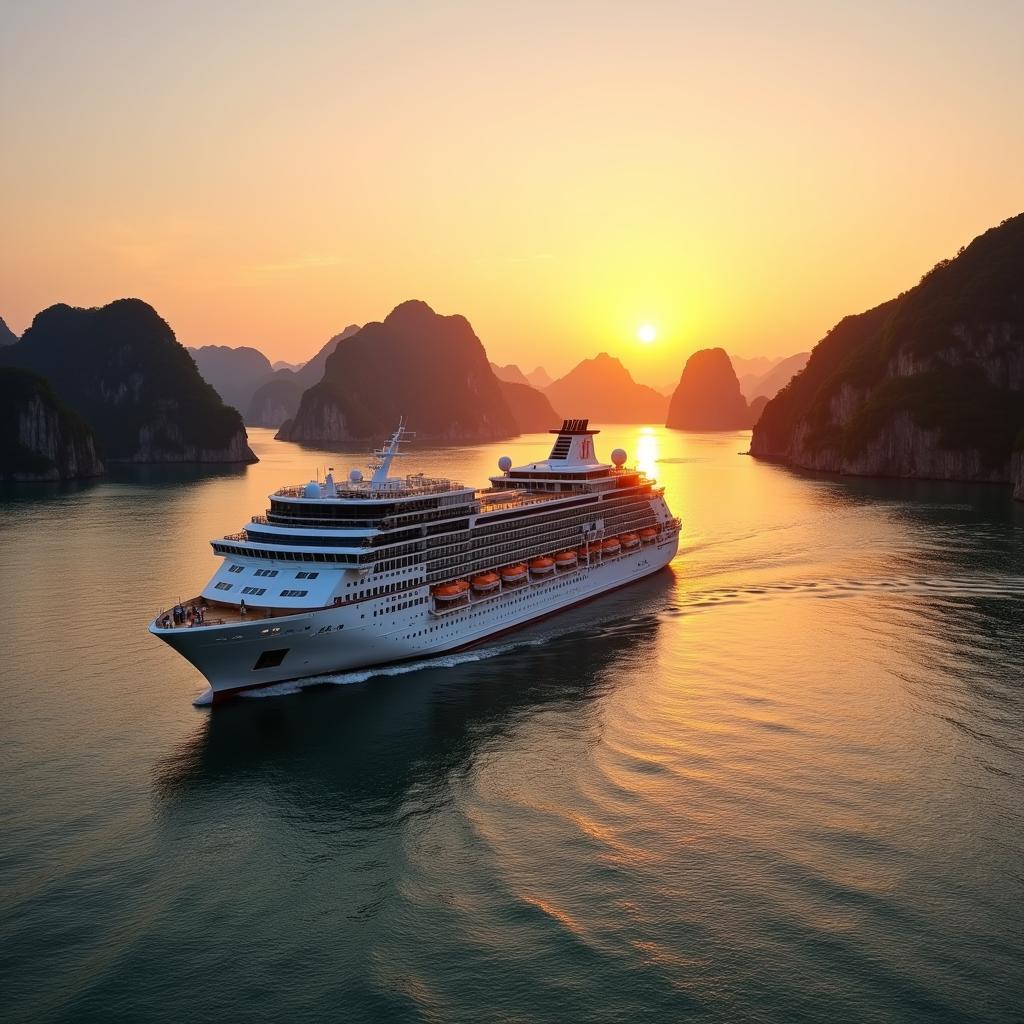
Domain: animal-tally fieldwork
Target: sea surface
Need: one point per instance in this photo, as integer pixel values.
(781, 781)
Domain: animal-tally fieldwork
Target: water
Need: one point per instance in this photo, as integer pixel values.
(780, 782)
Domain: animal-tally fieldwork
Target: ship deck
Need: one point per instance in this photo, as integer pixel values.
(224, 615)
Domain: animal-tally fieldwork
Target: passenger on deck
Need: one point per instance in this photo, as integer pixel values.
(241, 608)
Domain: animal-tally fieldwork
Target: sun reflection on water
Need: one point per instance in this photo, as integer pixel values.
(647, 450)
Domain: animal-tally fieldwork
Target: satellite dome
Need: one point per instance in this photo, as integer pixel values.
(619, 457)
(356, 476)
(311, 490)
(504, 463)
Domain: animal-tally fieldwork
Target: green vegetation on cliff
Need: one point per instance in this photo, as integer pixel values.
(949, 353)
(121, 369)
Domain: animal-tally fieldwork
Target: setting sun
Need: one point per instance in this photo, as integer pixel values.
(646, 333)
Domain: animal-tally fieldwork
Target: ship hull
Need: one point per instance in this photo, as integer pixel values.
(379, 632)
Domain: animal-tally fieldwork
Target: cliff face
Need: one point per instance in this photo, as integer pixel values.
(530, 408)
(122, 370)
(930, 384)
(603, 390)
(39, 438)
(708, 395)
(431, 369)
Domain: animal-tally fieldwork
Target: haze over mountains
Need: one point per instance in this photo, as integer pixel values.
(606, 390)
(929, 384)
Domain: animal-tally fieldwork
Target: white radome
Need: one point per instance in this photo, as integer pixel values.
(619, 457)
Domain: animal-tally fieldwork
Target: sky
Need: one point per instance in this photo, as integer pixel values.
(734, 174)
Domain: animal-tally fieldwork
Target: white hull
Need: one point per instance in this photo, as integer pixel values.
(373, 632)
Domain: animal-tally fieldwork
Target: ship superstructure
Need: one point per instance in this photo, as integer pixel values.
(367, 571)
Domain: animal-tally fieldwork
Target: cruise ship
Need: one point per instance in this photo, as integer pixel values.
(370, 571)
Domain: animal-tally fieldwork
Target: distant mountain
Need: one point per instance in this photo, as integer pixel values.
(275, 401)
(7, 336)
(929, 384)
(708, 395)
(772, 382)
(602, 390)
(510, 373)
(40, 438)
(280, 364)
(234, 373)
(756, 407)
(754, 367)
(310, 372)
(539, 378)
(429, 368)
(530, 408)
(122, 370)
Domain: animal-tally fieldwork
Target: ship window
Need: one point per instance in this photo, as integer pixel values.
(270, 659)
(236, 568)
(265, 572)
(223, 586)
(254, 590)
(306, 575)
(294, 593)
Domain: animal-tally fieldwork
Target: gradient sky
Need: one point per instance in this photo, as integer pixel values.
(736, 174)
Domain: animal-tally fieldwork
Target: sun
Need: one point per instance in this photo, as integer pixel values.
(646, 333)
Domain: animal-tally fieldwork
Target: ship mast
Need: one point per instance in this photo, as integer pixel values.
(383, 456)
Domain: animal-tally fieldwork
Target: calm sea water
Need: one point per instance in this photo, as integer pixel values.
(783, 781)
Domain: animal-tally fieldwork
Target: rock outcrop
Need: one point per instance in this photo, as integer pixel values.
(929, 384)
(121, 369)
(603, 390)
(7, 336)
(234, 373)
(431, 369)
(530, 408)
(756, 407)
(40, 439)
(708, 395)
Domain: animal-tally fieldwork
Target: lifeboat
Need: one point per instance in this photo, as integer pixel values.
(582, 553)
(450, 591)
(513, 573)
(565, 559)
(648, 533)
(542, 566)
(485, 582)
(630, 540)
(611, 546)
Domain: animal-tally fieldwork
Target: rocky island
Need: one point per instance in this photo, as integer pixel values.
(604, 390)
(432, 369)
(928, 385)
(120, 368)
(41, 439)
(708, 395)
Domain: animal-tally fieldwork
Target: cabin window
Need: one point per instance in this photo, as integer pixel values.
(223, 586)
(236, 568)
(306, 575)
(265, 572)
(254, 590)
(294, 593)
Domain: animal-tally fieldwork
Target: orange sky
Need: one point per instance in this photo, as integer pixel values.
(736, 174)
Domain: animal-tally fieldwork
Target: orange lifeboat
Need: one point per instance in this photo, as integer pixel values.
(630, 540)
(486, 581)
(450, 591)
(513, 573)
(611, 546)
(582, 553)
(648, 533)
(565, 559)
(542, 566)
